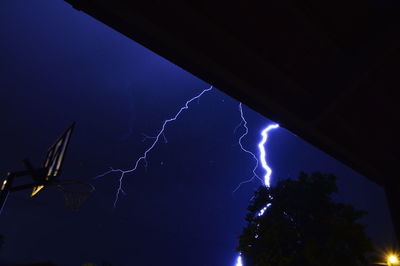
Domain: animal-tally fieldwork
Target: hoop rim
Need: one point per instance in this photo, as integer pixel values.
(62, 183)
(73, 196)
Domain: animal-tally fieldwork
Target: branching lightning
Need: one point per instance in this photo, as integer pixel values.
(244, 123)
(145, 154)
(161, 133)
(262, 150)
(264, 164)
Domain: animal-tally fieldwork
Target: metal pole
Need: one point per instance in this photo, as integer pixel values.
(5, 189)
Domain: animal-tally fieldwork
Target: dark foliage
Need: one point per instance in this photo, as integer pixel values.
(303, 226)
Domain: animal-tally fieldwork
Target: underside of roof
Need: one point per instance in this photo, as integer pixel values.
(326, 70)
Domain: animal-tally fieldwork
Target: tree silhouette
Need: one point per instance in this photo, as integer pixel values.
(303, 226)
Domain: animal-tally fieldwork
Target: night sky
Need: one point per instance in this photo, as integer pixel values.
(58, 65)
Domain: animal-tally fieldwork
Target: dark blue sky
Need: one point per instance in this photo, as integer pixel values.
(58, 65)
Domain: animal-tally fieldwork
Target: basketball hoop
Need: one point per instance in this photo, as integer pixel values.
(75, 193)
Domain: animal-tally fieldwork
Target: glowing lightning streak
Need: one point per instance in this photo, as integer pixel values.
(268, 170)
(144, 156)
(261, 147)
(239, 261)
(263, 155)
(244, 123)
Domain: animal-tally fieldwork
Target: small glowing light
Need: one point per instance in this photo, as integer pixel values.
(262, 211)
(4, 184)
(393, 259)
(36, 190)
(239, 261)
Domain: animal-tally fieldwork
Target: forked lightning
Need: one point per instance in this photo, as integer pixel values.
(145, 154)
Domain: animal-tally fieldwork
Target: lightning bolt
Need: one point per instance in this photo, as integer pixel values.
(262, 150)
(263, 154)
(261, 146)
(150, 148)
(244, 123)
(239, 261)
(264, 164)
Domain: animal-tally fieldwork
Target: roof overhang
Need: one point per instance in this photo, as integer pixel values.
(328, 71)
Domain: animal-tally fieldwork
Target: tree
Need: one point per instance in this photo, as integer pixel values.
(303, 226)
